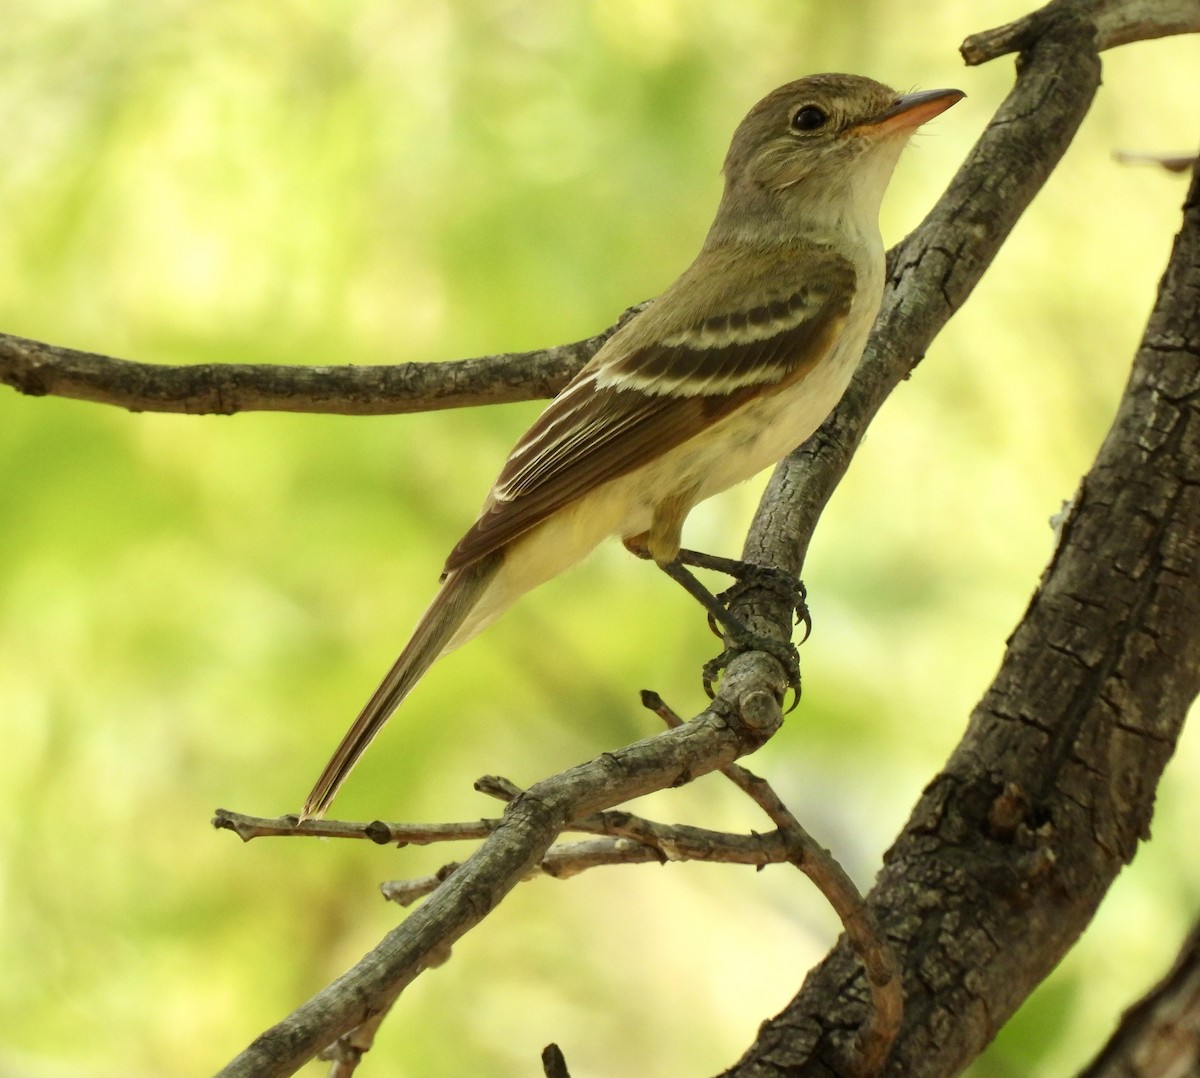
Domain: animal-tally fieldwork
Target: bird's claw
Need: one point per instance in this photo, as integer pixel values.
(780, 581)
(784, 653)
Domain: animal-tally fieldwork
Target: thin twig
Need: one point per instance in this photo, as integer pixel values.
(406, 892)
(378, 831)
(499, 787)
(1169, 162)
(1116, 22)
(554, 1064)
(874, 1039)
(623, 839)
(347, 1052)
(661, 843)
(38, 369)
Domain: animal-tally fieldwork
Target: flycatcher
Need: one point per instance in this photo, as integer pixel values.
(731, 368)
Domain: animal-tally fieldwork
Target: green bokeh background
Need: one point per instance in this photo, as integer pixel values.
(191, 609)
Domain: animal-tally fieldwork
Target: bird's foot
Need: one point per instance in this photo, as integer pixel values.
(746, 577)
(783, 652)
(787, 587)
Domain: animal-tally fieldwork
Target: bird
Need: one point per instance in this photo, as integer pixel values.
(730, 368)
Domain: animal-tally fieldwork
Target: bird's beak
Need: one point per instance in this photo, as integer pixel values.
(910, 111)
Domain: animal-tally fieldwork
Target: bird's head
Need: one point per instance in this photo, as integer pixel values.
(820, 149)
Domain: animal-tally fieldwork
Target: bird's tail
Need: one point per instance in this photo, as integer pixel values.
(460, 593)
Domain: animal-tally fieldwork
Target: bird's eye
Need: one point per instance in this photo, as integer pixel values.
(809, 118)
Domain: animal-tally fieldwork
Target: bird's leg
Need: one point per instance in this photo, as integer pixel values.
(740, 635)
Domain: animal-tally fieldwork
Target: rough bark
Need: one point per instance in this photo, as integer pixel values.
(1159, 1037)
(38, 369)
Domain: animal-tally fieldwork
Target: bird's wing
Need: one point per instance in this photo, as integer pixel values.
(684, 363)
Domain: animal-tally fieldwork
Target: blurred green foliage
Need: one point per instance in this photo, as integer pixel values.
(191, 609)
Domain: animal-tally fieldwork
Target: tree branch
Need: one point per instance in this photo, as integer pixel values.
(873, 1042)
(742, 717)
(658, 842)
(38, 369)
(1115, 22)
(1159, 1037)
